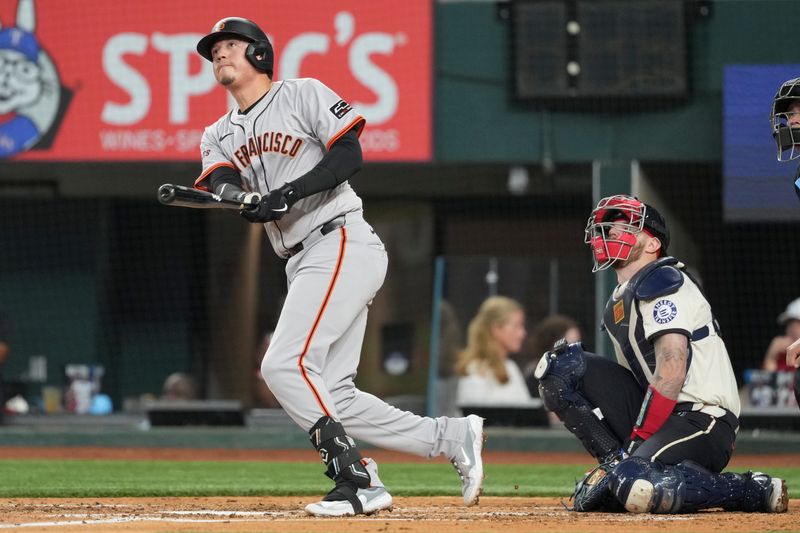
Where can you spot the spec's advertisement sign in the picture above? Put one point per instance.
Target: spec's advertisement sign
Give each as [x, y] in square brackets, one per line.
[102, 80]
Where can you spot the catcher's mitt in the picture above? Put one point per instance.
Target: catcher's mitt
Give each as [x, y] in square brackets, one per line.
[592, 492]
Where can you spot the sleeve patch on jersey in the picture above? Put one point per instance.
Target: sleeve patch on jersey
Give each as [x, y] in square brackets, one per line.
[340, 109]
[664, 311]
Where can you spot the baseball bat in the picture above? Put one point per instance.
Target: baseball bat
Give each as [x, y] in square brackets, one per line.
[180, 196]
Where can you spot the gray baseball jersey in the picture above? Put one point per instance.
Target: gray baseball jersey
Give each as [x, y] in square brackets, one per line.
[280, 138]
[314, 352]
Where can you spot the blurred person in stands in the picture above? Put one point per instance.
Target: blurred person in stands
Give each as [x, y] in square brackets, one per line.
[775, 359]
[543, 338]
[487, 374]
[793, 360]
[179, 387]
[783, 352]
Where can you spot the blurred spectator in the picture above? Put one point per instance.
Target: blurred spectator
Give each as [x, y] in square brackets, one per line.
[793, 361]
[793, 356]
[776, 358]
[543, 336]
[262, 396]
[488, 376]
[179, 386]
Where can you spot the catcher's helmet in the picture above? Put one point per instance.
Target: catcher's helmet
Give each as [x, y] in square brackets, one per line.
[632, 216]
[786, 137]
[237, 27]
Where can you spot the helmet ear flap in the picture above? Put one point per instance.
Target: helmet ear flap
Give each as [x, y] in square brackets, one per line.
[263, 49]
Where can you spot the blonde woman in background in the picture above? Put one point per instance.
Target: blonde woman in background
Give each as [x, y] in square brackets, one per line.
[487, 375]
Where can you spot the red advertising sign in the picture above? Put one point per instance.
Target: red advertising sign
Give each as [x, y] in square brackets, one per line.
[101, 80]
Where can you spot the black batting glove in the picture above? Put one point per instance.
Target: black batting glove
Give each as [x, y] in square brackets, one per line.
[272, 206]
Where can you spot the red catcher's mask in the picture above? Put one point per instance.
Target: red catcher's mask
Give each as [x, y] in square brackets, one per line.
[624, 213]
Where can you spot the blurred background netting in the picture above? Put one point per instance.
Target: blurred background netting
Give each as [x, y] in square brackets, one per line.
[492, 130]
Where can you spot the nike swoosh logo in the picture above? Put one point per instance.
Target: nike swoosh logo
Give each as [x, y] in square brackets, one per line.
[466, 460]
[282, 209]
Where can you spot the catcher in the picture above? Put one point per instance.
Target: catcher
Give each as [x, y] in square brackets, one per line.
[662, 419]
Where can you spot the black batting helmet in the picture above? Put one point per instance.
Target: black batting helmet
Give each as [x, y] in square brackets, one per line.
[240, 28]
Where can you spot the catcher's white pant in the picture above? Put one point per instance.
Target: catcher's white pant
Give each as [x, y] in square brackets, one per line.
[312, 359]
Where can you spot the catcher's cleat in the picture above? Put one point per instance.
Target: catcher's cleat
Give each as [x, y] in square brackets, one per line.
[344, 501]
[776, 493]
[468, 462]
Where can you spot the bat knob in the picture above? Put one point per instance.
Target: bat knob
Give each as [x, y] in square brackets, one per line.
[166, 193]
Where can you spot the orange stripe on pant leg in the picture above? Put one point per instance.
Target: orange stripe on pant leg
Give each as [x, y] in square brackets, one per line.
[339, 261]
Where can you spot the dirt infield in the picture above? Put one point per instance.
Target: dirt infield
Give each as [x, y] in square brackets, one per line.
[410, 515]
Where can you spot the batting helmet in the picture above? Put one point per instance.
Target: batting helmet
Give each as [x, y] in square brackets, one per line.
[786, 136]
[239, 28]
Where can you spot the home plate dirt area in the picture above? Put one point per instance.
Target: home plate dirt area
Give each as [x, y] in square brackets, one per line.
[409, 515]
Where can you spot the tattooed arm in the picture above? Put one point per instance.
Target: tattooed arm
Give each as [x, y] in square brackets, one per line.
[672, 352]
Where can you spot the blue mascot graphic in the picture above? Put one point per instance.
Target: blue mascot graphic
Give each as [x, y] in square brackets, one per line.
[32, 100]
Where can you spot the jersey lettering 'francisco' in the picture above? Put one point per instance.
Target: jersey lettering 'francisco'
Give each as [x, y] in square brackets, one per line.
[282, 143]
[283, 136]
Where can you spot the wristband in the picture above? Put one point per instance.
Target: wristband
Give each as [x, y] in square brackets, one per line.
[655, 410]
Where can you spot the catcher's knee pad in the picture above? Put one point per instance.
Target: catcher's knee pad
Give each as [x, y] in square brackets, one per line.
[339, 453]
[559, 373]
[642, 486]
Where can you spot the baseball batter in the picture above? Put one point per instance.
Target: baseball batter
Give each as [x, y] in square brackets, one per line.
[293, 144]
[662, 419]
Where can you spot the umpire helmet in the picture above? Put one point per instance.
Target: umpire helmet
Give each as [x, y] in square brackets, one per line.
[240, 28]
[633, 216]
[786, 136]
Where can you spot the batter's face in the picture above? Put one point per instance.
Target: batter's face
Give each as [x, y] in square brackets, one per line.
[231, 67]
[510, 334]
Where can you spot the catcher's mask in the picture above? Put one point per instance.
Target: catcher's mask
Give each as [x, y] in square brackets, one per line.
[630, 217]
[247, 30]
[786, 135]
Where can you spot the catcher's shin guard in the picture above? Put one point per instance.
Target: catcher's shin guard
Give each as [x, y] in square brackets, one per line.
[343, 460]
[559, 373]
[643, 486]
